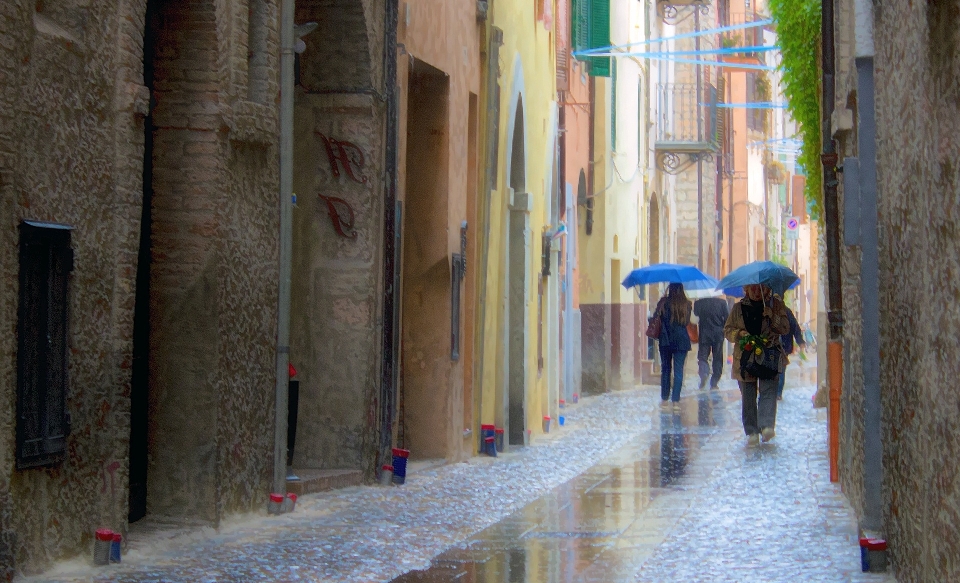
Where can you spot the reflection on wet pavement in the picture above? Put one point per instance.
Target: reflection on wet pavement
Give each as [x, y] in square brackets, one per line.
[687, 502]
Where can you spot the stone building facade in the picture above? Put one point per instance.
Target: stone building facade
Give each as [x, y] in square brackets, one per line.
[341, 182]
[138, 145]
[905, 55]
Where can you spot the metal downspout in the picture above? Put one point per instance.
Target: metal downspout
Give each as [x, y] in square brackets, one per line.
[286, 247]
[699, 112]
[828, 158]
[391, 314]
[488, 182]
[869, 269]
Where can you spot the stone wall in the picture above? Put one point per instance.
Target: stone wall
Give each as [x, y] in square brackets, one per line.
[917, 81]
[72, 139]
[918, 121]
[338, 232]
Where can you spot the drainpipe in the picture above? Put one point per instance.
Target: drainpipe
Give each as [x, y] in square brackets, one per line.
[286, 247]
[391, 313]
[869, 267]
[699, 112]
[828, 158]
[488, 183]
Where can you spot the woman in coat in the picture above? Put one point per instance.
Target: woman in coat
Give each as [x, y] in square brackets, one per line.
[759, 313]
[674, 341]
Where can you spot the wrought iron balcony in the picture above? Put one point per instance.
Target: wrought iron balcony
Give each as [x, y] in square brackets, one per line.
[686, 125]
[669, 10]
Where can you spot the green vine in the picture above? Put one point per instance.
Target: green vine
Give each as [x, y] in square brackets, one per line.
[798, 31]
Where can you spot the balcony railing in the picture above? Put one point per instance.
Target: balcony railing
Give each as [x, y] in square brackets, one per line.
[686, 124]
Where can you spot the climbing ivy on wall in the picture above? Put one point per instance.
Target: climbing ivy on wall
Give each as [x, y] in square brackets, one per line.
[798, 31]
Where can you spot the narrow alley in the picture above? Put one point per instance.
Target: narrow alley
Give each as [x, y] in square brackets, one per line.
[622, 492]
[470, 290]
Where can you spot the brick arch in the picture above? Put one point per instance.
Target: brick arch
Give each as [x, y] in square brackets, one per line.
[338, 55]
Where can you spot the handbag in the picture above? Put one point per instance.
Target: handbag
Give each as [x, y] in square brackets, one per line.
[693, 332]
[653, 327]
[764, 366]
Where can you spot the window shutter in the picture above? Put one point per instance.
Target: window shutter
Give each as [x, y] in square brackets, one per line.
[46, 261]
[61, 264]
[563, 42]
[599, 36]
[30, 354]
[720, 114]
[580, 24]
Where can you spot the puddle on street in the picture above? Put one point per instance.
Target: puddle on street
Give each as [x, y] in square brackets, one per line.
[602, 524]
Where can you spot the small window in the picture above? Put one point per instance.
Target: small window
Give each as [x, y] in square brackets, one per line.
[43, 423]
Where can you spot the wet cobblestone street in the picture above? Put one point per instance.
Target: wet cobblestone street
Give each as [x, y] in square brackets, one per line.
[623, 492]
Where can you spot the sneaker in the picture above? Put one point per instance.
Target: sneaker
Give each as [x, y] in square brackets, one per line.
[665, 404]
[768, 433]
[676, 405]
[753, 440]
[714, 387]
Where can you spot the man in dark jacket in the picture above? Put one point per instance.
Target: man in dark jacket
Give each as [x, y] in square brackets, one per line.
[712, 313]
[787, 341]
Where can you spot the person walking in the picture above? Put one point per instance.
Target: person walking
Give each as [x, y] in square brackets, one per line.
[788, 345]
[713, 313]
[674, 342]
[762, 314]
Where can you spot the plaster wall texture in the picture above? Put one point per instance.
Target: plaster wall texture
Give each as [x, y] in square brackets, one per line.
[595, 291]
[576, 166]
[917, 91]
[527, 83]
[71, 151]
[443, 35]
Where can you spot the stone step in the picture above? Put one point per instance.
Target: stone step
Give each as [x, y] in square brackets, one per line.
[320, 480]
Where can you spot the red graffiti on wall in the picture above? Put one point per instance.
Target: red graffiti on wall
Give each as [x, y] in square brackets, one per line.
[334, 207]
[345, 154]
[109, 469]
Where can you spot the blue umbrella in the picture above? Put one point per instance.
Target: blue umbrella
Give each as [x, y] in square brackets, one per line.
[737, 292]
[688, 275]
[773, 275]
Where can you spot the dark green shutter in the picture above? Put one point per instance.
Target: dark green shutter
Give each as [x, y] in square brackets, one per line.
[580, 26]
[591, 30]
[599, 36]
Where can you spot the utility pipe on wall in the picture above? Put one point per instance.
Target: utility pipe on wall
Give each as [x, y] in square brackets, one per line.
[869, 269]
[286, 246]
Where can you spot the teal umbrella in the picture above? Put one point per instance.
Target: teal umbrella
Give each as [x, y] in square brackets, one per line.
[777, 277]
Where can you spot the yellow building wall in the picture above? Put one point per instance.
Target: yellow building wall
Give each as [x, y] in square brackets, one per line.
[527, 76]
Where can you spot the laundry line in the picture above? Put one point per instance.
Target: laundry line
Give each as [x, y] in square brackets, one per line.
[593, 52]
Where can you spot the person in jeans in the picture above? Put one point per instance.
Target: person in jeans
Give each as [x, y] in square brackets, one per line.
[674, 341]
[759, 313]
[712, 313]
[787, 340]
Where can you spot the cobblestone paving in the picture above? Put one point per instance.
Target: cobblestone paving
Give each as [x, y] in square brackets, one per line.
[622, 493]
[767, 513]
[372, 533]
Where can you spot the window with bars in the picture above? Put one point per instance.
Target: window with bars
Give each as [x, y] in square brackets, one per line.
[43, 422]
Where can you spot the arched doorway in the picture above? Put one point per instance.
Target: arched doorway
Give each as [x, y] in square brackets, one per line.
[517, 286]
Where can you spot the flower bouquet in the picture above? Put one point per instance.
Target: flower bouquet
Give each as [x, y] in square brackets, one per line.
[753, 343]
